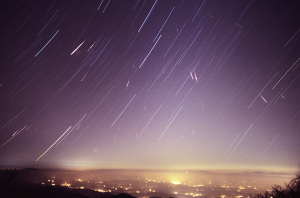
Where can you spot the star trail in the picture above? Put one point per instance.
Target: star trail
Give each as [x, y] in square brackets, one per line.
[150, 84]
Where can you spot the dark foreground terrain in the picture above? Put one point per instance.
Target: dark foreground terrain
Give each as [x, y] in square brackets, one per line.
[13, 186]
[37, 191]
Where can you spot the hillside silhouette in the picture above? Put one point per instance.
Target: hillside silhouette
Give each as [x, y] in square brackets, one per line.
[13, 186]
[291, 190]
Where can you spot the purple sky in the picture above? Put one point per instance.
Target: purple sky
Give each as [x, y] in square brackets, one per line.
[150, 84]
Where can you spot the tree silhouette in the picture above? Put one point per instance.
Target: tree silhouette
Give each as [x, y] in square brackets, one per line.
[292, 190]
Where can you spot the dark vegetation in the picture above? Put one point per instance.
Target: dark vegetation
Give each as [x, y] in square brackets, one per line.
[292, 190]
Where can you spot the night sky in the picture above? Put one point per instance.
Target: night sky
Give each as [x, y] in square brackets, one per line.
[150, 84]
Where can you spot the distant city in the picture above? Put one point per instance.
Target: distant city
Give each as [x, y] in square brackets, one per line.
[105, 183]
[153, 187]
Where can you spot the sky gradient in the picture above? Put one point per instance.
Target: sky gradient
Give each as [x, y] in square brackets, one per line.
[150, 84]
